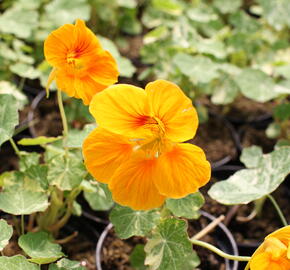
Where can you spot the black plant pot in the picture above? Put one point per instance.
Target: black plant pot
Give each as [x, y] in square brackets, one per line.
[224, 239]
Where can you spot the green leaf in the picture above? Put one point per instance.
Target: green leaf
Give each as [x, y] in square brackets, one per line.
[27, 21]
[186, 207]
[6, 233]
[194, 67]
[38, 140]
[276, 12]
[169, 246]
[251, 184]
[25, 71]
[202, 14]
[127, 3]
[28, 159]
[227, 6]
[99, 197]
[16, 263]
[156, 34]
[171, 7]
[128, 222]
[137, 257]
[65, 264]
[23, 202]
[59, 12]
[38, 176]
[8, 117]
[256, 85]
[225, 91]
[39, 247]
[213, 47]
[66, 174]
[76, 137]
[10, 89]
[273, 131]
[252, 156]
[282, 111]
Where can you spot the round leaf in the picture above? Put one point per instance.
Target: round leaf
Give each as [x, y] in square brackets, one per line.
[186, 207]
[8, 117]
[23, 202]
[128, 222]
[39, 247]
[6, 232]
[251, 184]
[169, 248]
[16, 263]
[256, 85]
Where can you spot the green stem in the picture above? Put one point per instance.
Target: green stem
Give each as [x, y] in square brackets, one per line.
[16, 149]
[218, 251]
[275, 204]
[63, 119]
[22, 224]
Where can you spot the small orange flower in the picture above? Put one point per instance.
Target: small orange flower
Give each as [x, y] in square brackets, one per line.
[273, 253]
[137, 149]
[81, 66]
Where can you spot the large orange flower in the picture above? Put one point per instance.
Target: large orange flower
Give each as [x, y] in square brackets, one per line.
[273, 253]
[81, 66]
[137, 149]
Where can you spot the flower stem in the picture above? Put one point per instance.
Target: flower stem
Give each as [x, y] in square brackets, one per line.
[278, 209]
[16, 149]
[63, 119]
[22, 224]
[218, 251]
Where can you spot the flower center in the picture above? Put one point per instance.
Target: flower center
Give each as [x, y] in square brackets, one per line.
[73, 60]
[155, 125]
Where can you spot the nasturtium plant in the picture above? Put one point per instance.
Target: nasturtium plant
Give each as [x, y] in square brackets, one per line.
[65, 264]
[17, 262]
[8, 117]
[186, 207]
[6, 233]
[263, 175]
[129, 222]
[170, 237]
[39, 247]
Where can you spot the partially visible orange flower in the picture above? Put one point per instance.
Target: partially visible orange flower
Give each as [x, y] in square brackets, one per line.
[81, 66]
[273, 253]
[137, 149]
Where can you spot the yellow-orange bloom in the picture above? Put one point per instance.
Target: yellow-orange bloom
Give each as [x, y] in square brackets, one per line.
[81, 66]
[273, 253]
[137, 150]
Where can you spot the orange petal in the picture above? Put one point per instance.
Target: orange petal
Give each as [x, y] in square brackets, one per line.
[106, 70]
[104, 152]
[122, 109]
[133, 185]
[174, 109]
[261, 261]
[57, 44]
[282, 234]
[79, 87]
[181, 171]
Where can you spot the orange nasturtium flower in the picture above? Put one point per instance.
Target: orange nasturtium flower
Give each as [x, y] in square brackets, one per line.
[81, 67]
[273, 253]
[137, 149]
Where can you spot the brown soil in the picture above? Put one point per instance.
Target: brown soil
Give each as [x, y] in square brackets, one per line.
[251, 136]
[215, 139]
[248, 110]
[116, 252]
[252, 231]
